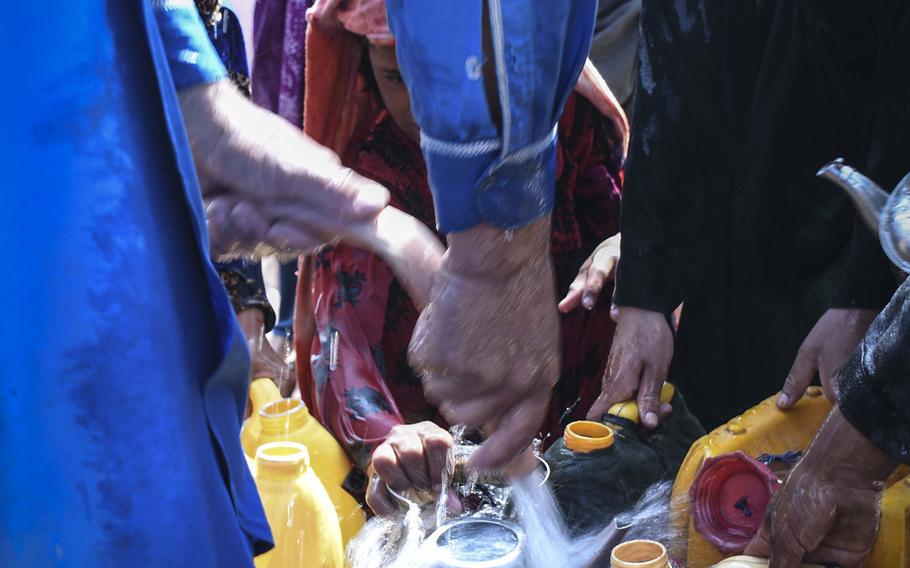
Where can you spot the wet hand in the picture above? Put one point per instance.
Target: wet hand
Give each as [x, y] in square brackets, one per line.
[597, 270]
[638, 365]
[825, 350]
[827, 510]
[412, 457]
[488, 343]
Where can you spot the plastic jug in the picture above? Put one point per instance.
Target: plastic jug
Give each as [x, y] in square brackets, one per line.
[640, 554]
[890, 547]
[764, 429]
[299, 511]
[289, 420]
[601, 469]
[262, 392]
[751, 562]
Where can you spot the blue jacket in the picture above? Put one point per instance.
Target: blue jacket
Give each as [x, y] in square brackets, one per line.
[124, 373]
[480, 172]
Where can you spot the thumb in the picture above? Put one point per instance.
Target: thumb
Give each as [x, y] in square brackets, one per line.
[798, 378]
[513, 433]
[649, 398]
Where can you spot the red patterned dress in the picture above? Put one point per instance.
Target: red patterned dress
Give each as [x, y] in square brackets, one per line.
[364, 319]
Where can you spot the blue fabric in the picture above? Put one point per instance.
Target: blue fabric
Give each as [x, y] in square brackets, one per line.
[480, 173]
[191, 56]
[125, 373]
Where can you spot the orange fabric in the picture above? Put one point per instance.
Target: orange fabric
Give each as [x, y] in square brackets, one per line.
[336, 103]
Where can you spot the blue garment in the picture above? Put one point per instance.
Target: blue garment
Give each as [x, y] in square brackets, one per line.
[190, 55]
[480, 173]
[124, 372]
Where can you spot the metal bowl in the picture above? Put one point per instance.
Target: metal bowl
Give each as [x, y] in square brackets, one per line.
[477, 542]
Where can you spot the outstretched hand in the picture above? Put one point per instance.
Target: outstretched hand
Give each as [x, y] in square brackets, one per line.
[638, 365]
[597, 270]
[825, 350]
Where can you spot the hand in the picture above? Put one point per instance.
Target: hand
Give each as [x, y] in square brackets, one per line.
[827, 347]
[488, 343]
[638, 364]
[413, 456]
[271, 185]
[265, 361]
[597, 270]
[827, 510]
[277, 191]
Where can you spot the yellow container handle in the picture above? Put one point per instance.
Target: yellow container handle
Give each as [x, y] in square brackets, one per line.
[263, 391]
[629, 409]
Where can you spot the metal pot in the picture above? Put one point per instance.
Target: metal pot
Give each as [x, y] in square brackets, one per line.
[477, 542]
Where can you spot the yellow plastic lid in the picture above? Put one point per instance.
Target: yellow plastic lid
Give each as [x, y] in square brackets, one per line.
[585, 436]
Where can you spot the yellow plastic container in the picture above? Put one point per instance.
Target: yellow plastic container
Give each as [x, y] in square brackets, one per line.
[765, 429]
[751, 562]
[584, 436]
[262, 392]
[639, 554]
[299, 511]
[288, 420]
[890, 549]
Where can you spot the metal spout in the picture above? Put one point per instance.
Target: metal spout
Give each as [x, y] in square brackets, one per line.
[867, 196]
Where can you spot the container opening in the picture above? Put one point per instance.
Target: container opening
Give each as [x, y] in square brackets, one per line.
[281, 407]
[478, 541]
[282, 452]
[590, 430]
[639, 551]
[586, 436]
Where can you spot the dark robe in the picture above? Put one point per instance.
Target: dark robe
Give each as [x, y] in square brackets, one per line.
[738, 105]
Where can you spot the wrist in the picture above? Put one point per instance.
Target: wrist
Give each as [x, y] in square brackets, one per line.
[488, 250]
[842, 452]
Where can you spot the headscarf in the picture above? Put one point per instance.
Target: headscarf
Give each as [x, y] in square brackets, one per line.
[336, 103]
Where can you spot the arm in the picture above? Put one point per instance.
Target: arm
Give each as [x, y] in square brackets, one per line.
[489, 147]
[651, 270]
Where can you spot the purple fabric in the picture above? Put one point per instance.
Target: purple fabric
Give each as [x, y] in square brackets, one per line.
[279, 37]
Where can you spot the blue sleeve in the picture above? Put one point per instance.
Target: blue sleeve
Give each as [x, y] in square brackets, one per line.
[480, 172]
[190, 55]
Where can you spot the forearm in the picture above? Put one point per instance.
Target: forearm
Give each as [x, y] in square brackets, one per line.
[874, 385]
[491, 252]
[241, 146]
[841, 451]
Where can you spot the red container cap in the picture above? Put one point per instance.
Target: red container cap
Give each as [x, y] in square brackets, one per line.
[729, 497]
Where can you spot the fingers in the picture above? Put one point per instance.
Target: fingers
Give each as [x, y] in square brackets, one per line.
[389, 468]
[440, 459]
[573, 297]
[593, 285]
[378, 497]
[514, 432]
[616, 388]
[799, 377]
[649, 397]
[760, 544]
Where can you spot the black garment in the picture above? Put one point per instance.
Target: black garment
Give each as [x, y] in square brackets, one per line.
[875, 384]
[738, 104]
[874, 393]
